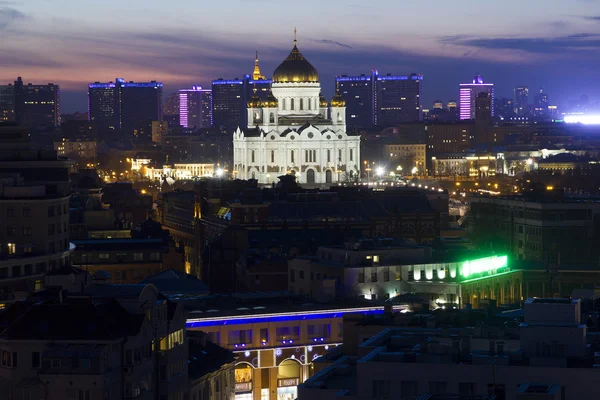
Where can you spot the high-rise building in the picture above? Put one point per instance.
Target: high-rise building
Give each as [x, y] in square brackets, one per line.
[541, 104]
[34, 204]
[469, 93]
[7, 103]
[521, 100]
[358, 92]
[398, 99]
[124, 105]
[36, 106]
[504, 108]
[171, 110]
[483, 108]
[376, 100]
[195, 108]
[228, 103]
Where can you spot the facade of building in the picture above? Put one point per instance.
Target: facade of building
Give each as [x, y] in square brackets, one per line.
[275, 344]
[547, 356]
[228, 103]
[398, 99]
[77, 149]
[171, 110]
[386, 100]
[34, 204]
[538, 226]
[453, 137]
[465, 165]
[7, 103]
[32, 106]
[293, 132]
[195, 108]
[522, 101]
[124, 105]
[468, 96]
[407, 157]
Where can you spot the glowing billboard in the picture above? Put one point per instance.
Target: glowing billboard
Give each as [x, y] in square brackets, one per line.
[487, 264]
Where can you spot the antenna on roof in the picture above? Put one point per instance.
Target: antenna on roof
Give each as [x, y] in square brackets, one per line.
[295, 40]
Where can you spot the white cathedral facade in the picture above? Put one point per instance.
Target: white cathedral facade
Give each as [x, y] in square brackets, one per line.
[294, 132]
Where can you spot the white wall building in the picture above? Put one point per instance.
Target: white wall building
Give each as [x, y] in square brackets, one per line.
[294, 132]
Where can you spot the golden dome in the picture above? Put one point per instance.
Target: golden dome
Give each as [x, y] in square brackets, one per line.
[255, 102]
[322, 101]
[271, 101]
[338, 101]
[295, 68]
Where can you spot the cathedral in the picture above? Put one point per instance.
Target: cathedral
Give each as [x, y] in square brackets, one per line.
[294, 131]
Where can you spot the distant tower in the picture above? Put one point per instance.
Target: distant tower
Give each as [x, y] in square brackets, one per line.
[469, 92]
[256, 75]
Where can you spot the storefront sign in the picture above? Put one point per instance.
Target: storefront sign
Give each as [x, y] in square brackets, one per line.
[288, 382]
[243, 387]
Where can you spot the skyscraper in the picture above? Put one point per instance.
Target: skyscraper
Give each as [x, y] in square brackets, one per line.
[228, 103]
[124, 105]
[521, 100]
[36, 106]
[195, 108]
[398, 99]
[541, 103]
[171, 110]
[468, 96]
[376, 100]
[358, 92]
[483, 108]
[7, 103]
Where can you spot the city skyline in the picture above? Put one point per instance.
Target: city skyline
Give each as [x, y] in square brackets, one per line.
[95, 43]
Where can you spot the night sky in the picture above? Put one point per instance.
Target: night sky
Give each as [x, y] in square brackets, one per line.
[551, 43]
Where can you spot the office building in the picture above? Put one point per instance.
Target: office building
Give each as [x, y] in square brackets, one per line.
[171, 110]
[34, 204]
[541, 104]
[228, 103]
[124, 105]
[294, 132]
[36, 106]
[195, 108]
[540, 224]
[483, 109]
[398, 99]
[521, 101]
[359, 94]
[469, 92]
[7, 103]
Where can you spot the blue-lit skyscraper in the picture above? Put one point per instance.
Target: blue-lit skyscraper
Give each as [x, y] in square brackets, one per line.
[124, 105]
[381, 100]
[195, 108]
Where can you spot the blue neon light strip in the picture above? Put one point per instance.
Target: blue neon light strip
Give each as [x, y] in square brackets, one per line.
[219, 82]
[266, 319]
[352, 78]
[400, 78]
[101, 85]
[261, 82]
[143, 84]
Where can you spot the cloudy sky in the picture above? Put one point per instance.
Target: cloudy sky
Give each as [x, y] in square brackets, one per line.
[549, 43]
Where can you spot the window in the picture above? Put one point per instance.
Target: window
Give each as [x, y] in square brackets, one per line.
[50, 229]
[373, 276]
[252, 155]
[27, 248]
[10, 212]
[16, 270]
[264, 335]
[351, 154]
[361, 277]
[27, 230]
[138, 256]
[301, 274]
[27, 212]
[50, 211]
[11, 231]
[28, 269]
[386, 275]
[104, 256]
[375, 259]
[272, 156]
[292, 104]
[328, 155]
[155, 256]
[340, 155]
[36, 359]
[83, 394]
[381, 389]
[38, 284]
[12, 248]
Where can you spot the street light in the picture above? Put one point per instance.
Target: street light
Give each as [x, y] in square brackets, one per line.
[380, 171]
[220, 172]
[415, 170]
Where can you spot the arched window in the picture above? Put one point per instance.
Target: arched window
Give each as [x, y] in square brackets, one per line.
[339, 117]
[292, 156]
[272, 118]
[283, 104]
[272, 156]
[252, 154]
[292, 104]
[301, 104]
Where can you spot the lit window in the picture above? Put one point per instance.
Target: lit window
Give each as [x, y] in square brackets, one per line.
[12, 248]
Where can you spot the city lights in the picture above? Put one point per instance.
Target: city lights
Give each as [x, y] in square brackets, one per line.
[582, 119]
[380, 171]
[487, 264]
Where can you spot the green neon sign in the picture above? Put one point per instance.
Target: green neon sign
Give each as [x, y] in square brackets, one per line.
[486, 264]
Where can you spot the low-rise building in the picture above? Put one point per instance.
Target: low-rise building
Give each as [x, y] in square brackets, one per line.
[550, 350]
